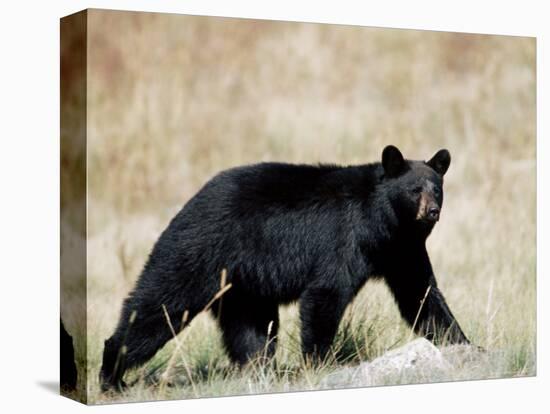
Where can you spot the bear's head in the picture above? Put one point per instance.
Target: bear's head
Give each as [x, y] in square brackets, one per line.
[415, 188]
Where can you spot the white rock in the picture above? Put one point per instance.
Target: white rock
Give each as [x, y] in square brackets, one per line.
[417, 359]
[418, 354]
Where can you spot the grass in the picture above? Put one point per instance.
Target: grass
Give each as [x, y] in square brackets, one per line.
[172, 100]
[194, 365]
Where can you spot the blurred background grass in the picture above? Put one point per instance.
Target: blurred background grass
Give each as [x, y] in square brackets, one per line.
[174, 99]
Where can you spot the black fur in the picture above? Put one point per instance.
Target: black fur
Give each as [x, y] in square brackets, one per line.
[286, 233]
[67, 372]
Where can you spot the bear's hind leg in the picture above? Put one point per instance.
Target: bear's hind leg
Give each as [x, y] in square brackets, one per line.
[321, 310]
[140, 334]
[249, 327]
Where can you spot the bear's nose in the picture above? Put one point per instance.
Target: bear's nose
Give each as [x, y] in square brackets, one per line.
[433, 213]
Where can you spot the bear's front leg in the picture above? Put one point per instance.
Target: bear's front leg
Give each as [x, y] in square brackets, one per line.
[420, 301]
[435, 320]
[321, 310]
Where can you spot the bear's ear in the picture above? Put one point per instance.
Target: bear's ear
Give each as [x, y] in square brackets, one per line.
[392, 161]
[440, 162]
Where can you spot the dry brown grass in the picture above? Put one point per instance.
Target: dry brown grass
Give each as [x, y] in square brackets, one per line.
[175, 99]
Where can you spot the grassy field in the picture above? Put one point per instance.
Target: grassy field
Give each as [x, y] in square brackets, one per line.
[172, 100]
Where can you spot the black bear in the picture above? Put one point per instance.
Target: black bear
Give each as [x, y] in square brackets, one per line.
[285, 233]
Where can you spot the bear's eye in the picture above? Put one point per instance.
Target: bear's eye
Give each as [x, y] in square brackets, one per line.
[417, 189]
[437, 192]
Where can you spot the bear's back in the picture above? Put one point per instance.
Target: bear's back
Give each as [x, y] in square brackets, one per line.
[290, 186]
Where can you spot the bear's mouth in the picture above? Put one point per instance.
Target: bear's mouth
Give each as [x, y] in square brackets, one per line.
[428, 219]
